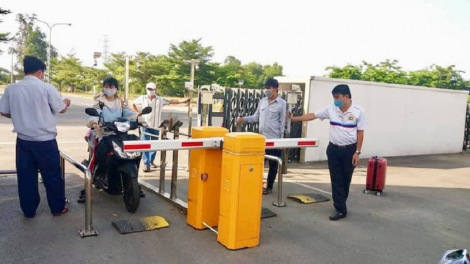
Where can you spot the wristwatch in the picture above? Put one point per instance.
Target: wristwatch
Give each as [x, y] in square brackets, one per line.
[358, 152]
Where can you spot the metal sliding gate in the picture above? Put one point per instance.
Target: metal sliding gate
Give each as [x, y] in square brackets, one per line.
[239, 102]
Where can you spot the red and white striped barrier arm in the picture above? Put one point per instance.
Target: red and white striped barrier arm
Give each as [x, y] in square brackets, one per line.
[177, 144]
[204, 143]
[284, 143]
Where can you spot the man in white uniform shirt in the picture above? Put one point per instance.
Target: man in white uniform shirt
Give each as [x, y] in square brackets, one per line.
[347, 124]
[153, 119]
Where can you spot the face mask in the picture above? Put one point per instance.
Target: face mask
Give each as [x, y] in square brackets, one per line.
[268, 93]
[339, 103]
[110, 92]
[150, 92]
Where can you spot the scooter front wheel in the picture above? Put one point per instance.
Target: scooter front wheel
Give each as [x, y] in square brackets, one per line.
[131, 193]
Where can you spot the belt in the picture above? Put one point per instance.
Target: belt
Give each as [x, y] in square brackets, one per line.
[344, 146]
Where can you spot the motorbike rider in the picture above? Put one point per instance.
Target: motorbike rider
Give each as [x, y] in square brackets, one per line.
[111, 106]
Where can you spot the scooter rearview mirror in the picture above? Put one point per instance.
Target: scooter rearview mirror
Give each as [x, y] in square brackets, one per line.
[91, 111]
[146, 110]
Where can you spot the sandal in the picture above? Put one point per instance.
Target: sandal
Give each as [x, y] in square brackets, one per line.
[65, 210]
[267, 191]
[81, 198]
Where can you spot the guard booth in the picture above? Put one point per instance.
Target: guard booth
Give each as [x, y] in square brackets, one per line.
[221, 106]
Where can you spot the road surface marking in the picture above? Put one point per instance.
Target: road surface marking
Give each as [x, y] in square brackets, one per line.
[58, 141]
[310, 187]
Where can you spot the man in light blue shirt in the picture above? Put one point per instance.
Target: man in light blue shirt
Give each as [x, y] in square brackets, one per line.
[32, 106]
[271, 116]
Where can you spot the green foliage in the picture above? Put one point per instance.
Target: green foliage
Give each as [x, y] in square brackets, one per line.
[389, 72]
[4, 76]
[4, 37]
[30, 40]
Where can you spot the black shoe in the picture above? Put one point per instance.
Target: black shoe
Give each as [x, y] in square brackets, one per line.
[81, 198]
[338, 216]
[142, 194]
[267, 191]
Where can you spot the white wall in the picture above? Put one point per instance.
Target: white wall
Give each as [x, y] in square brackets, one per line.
[401, 120]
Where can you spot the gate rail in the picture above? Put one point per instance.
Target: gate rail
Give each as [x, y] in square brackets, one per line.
[88, 230]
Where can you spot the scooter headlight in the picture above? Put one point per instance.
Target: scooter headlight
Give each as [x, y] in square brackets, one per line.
[122, 126]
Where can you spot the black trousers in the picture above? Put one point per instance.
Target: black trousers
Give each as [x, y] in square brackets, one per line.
[272, 166]
[32, 156]
[341, 171]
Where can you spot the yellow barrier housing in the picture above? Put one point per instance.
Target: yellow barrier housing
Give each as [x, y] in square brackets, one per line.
[241, 190]
[205, 168]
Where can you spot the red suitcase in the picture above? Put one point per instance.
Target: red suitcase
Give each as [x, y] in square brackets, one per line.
[376, 174]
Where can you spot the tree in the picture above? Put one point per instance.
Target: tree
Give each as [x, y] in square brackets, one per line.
[230, 72]
[68, 72]
[390, 72]
[386, 72]
[179, 70]
[253, 75]
[4, 37]
[151, 67]
[4, 76]
[116, 67]
[269, 71]
[30, 40]
[352, 72]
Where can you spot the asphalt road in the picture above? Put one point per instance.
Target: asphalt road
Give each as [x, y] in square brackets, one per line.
[423, 213]
[71, 130]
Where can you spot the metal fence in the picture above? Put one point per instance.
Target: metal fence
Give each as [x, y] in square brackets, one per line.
[239, 102]
[88, 230]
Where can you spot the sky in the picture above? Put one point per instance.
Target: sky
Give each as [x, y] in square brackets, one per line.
[303, 36]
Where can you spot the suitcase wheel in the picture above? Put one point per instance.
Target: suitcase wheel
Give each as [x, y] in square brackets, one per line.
[365, 191]
[378, 193]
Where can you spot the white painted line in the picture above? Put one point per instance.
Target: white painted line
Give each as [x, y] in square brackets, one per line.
[59, 142]
[310, 187]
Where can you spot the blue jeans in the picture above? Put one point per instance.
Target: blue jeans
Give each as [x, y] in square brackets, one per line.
[149, 157]
[272, 166]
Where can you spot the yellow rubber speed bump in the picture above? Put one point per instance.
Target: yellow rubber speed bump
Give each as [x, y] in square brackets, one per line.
[308, 198]
[140, 225]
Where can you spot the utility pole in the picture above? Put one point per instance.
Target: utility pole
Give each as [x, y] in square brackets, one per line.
[194, 63]
[137, 60]
[49, 48]
[106, 48]
[126, 95]
[12, 52]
